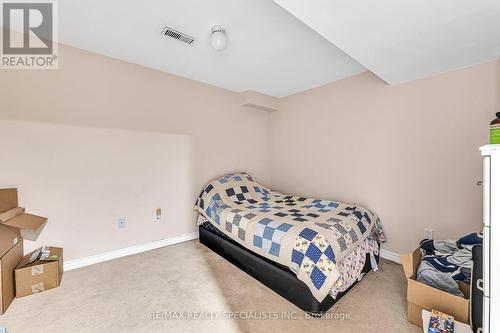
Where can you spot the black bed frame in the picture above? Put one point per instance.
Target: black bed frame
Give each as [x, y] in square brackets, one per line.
[275, 276]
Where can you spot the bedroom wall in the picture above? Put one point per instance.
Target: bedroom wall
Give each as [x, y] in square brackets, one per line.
[408, 152]
[100, 139]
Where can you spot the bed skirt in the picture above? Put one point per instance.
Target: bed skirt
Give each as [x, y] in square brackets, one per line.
[273, 275]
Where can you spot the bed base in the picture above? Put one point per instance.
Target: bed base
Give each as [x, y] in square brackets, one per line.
[273, 275]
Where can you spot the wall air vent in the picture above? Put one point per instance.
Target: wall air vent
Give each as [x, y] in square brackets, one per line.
[172, 33]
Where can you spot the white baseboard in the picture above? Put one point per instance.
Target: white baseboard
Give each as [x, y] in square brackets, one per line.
[102, 257]
[391, 256]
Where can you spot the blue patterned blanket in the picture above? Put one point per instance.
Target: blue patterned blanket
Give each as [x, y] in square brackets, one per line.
[307, 235]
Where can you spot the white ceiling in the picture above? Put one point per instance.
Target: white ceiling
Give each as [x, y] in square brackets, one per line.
[405, 40]
[269, 50]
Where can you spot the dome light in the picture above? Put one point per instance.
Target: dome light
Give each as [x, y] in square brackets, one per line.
[218, 38]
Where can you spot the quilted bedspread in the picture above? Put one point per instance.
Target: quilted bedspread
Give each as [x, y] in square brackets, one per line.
[307, 235]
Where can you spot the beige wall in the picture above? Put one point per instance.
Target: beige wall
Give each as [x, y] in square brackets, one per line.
[408, 152]
[101, 139]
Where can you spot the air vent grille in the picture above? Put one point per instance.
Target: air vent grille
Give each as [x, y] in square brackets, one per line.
[172, 33]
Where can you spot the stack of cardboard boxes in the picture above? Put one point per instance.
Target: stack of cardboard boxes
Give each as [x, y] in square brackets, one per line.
[21, 276]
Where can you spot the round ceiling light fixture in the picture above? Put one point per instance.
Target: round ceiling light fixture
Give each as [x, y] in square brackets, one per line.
[218, 38]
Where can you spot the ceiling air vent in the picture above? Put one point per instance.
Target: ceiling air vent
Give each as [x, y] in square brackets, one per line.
[169, 32]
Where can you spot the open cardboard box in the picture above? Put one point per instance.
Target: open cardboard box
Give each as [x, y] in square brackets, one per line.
[29, 226]
[15, 225]
[422, 296]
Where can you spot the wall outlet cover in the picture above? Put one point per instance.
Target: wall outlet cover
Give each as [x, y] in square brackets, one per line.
[428, 233]
[121, 223]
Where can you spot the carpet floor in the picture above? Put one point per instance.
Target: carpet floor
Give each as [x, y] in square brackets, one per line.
[188, 288]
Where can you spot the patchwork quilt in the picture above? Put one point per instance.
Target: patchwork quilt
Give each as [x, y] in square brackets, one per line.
[310, 236]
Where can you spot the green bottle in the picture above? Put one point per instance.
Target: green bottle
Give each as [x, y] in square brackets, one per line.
[495, 130]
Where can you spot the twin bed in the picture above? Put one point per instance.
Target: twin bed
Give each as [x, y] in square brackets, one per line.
[309, 251]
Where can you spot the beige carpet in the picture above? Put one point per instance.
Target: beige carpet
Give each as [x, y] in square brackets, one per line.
[184, 279]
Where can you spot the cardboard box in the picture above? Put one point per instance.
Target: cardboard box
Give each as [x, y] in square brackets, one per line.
[40, 270]
[422, 296]
[14, 224]
[11, 252]
[29, 226]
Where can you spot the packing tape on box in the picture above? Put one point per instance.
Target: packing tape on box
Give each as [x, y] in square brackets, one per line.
[34, 256]
[45, 254]
[36, 288]
[36, 270]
